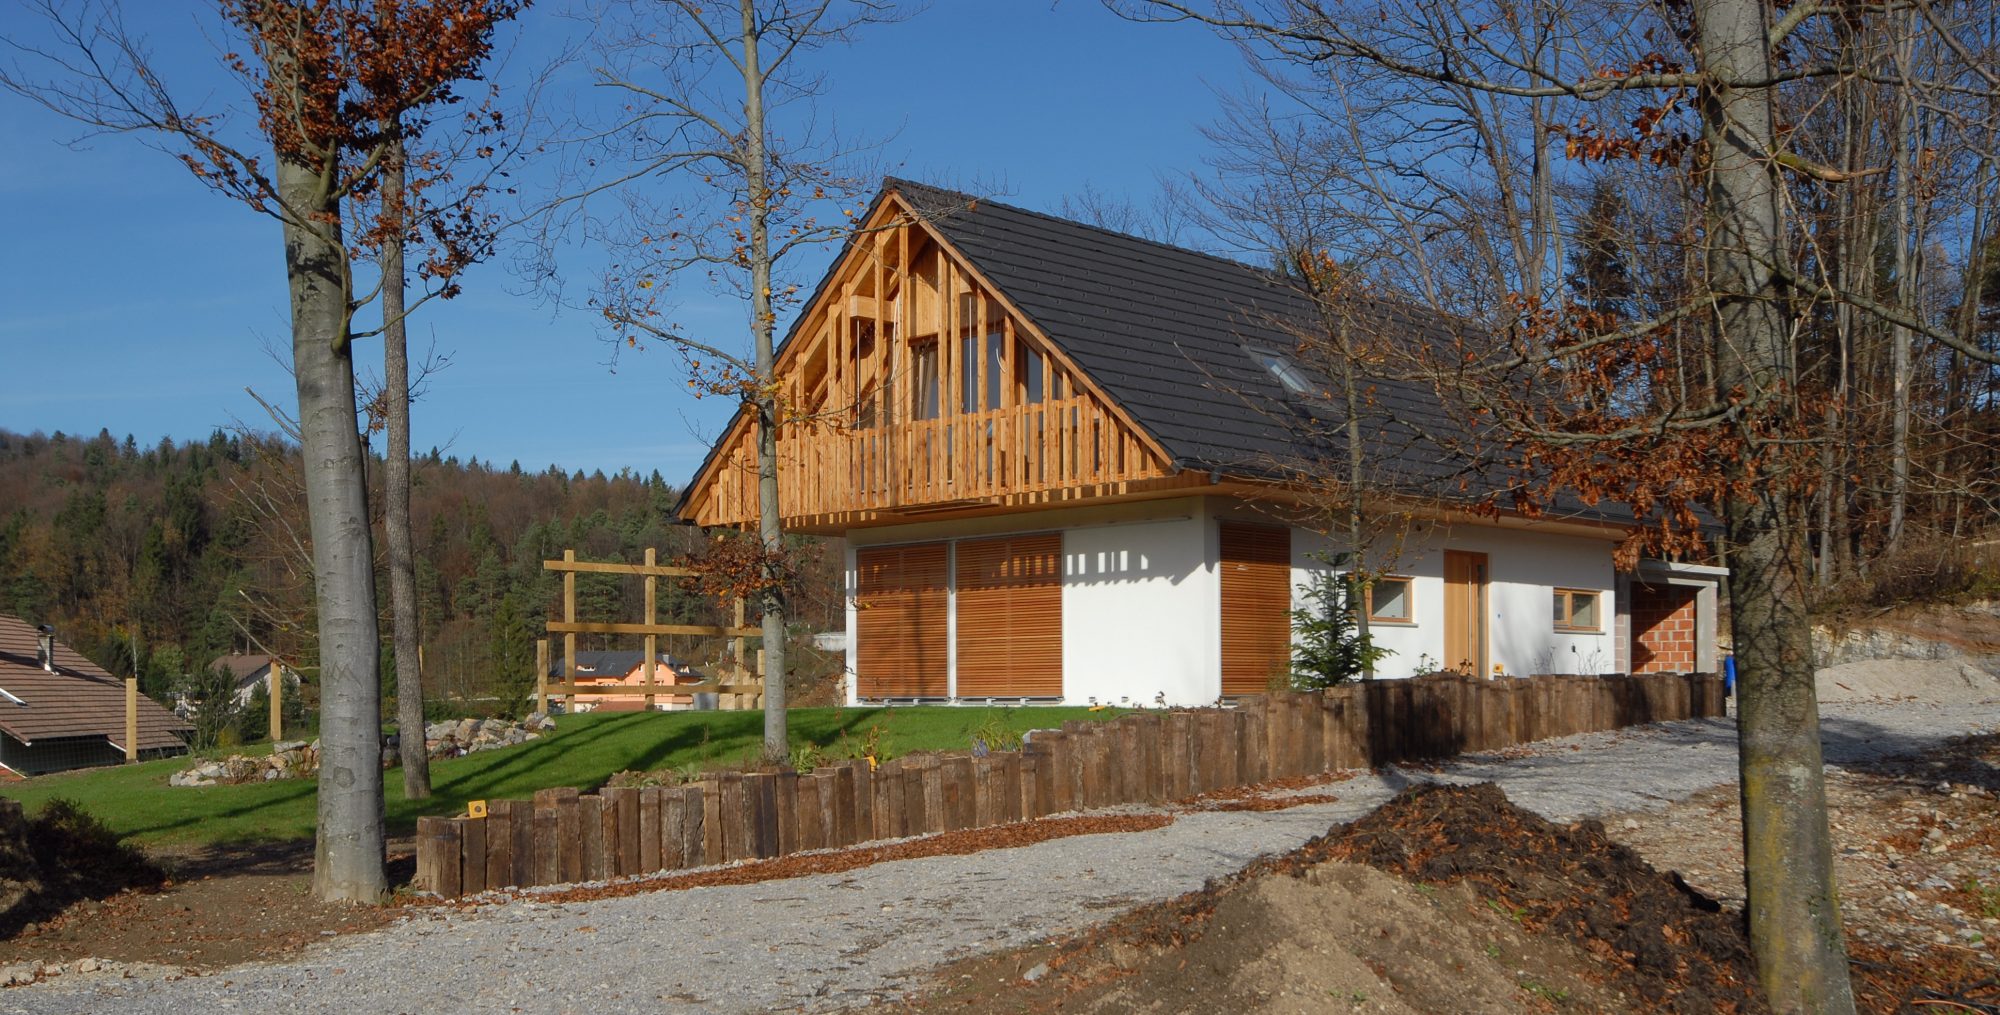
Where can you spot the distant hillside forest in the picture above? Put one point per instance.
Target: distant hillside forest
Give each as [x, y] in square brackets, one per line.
[157, 559]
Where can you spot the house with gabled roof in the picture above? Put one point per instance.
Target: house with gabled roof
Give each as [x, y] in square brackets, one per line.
[1059, 458]
[627, 668]
[59, 710]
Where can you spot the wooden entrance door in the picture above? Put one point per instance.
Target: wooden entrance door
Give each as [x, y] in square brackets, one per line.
[1465, 612]
[1256, 606]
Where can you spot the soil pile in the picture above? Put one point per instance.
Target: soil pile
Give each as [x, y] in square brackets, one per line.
[1661, 940]
[63, 855]
[1447, 898]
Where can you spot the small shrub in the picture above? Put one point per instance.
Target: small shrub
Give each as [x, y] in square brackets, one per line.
[1328, 650]
[993, 734]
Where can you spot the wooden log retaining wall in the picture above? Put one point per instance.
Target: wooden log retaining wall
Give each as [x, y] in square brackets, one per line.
[1147, 757]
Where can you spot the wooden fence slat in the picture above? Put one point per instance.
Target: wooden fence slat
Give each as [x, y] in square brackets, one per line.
[860, 793]
[673, 828]
[548, 848]
[760, 795]
[1179, 762]
[500, 844]
[526, 867]
[431, 858]
[931, 785]
[590, 838]
[806, 812]
[889, 802]
[472, 855]
[694, 828]
[956, 785]
[844, 822]
[786, 789]
[1033, 796]
[736, 818]
[649, 829]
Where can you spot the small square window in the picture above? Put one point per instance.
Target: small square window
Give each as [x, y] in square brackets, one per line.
[1389, 600]
[1576, 610]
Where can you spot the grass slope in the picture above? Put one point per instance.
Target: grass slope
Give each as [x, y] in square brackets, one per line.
[583, 751]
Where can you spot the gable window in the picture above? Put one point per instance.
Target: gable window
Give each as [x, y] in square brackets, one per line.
[1576, 610]
[1389, 601]
[1029, 374]
[924, 367]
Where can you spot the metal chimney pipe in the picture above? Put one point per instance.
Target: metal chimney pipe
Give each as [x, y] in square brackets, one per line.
[47, 642]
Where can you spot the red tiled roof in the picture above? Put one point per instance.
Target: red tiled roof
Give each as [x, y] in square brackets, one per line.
[78, 700]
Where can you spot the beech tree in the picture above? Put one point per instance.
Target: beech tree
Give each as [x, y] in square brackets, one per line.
[1700, 401]
[714, 106]
[324, 76]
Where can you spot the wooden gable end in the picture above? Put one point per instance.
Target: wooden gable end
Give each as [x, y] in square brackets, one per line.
[911, 385]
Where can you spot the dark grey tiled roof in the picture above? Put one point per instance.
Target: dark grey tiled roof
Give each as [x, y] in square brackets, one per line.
[1169, 334]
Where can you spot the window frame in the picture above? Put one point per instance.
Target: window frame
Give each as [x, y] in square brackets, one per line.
[1409, 618]
[1564, 619]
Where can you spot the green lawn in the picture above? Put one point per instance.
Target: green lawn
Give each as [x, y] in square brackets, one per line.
[583, 751]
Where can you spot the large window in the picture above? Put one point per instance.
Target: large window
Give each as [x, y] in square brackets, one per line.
[1576, 610]
[924, 370]
[1389, 601]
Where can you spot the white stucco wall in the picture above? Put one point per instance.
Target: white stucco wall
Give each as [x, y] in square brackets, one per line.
[1141, 618]
[1524, 567]
[1141, 595]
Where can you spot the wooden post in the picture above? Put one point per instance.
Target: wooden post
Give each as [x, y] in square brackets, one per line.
[652, 641]
[569, 637]
[542, 675]
[277, 718]
[737, 644]
[131, 719]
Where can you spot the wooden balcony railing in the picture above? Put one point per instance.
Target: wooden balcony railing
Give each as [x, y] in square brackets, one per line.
[1052, 447]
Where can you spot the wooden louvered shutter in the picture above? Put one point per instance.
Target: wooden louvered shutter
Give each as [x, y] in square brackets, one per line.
[1010, 617]
[901, 621]
[1256, 606]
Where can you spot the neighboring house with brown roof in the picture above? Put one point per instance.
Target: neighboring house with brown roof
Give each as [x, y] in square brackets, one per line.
[253, 671]
[59, 710]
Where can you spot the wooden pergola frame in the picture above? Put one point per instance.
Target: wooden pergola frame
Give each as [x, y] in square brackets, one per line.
[651, 571]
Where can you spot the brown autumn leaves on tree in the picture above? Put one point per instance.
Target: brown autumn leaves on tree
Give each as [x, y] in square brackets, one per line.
[1705, 354]
[331, 82]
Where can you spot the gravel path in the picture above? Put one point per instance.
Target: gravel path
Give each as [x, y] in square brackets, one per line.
[828, 941]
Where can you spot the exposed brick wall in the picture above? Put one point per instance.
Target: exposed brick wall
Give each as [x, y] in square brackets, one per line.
[1663, 629]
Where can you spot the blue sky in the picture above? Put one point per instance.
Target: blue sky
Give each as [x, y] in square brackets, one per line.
[133, 299]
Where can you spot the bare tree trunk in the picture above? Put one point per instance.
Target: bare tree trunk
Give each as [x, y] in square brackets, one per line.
[348, 856]
[396, 486]
[1356, 460]
[1795, 926]
[1906, 140]
[777, 741]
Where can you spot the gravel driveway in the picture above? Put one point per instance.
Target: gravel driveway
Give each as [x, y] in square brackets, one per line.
[827, 941]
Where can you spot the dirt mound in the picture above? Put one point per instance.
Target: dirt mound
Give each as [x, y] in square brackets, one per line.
[1447, 898]
[62, 855]
[1345, 937]
[1949, 681]
[1666, 942]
